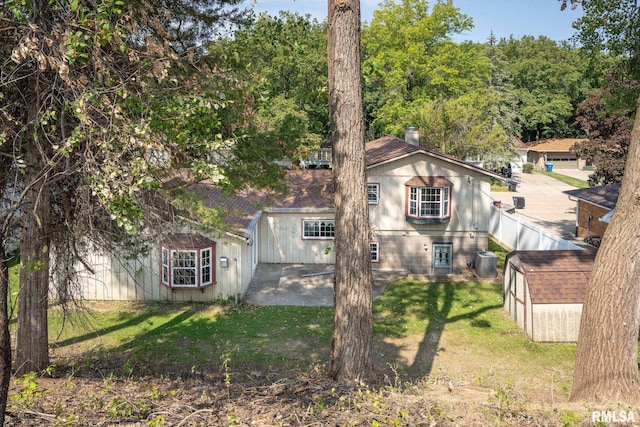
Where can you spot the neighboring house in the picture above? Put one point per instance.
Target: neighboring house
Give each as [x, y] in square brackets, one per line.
[429, 214]
[522, 151]
[544, 292]
[321, 159]
[516, 162]
[594, 208]
[560, 152]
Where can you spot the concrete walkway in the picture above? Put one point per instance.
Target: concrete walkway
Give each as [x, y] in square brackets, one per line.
[303, 284]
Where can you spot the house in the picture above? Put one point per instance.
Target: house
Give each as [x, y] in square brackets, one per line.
[522, 151]
[516, 161]
[429, 215]
[321, 158]
[559, 152]
[544, 291]
[594, 209]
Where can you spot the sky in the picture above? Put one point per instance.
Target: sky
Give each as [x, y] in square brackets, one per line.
[505, 18]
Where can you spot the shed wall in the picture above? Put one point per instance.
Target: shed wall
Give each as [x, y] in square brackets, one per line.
[556, 322]
[516, 299]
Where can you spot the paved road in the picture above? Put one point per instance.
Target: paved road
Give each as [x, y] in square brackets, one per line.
[544, 203]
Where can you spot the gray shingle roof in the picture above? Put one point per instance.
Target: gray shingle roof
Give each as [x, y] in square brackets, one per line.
[605, 196]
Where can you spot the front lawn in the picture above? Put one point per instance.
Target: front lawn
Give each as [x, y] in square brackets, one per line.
[574, 182]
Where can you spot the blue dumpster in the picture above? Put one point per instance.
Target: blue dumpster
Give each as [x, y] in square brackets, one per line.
[549, 167]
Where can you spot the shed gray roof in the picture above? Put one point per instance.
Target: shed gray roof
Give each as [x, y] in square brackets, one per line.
[556, 277]
[605, 196]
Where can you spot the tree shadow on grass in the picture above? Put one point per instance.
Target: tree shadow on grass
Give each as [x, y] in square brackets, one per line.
[422, 310]
[209, 338]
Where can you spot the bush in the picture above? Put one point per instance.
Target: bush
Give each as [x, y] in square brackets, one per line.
[527, 167]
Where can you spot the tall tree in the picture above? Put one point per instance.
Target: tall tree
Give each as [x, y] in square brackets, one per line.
[283, 62]
[351, 358]
[606, 365]
[410, 58]
[608, 126]
[98, 103]
[550, 79]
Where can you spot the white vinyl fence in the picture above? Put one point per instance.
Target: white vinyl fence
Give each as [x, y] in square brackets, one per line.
[516, 234]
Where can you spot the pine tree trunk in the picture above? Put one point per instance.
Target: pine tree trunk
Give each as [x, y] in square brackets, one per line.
[351, 358]
[606, 367]
[32, 353]
[5, 339]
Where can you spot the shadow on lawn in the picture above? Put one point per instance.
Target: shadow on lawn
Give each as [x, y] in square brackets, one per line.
[136, 321]
[409, 320]
[407, 308]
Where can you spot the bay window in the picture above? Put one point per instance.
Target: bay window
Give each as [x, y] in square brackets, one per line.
[428, 200]
[187, 262]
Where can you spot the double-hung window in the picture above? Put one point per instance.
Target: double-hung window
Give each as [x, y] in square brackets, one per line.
[318, 229]
[373, 193]
[428, 200]
[374, 249]
[187, 262]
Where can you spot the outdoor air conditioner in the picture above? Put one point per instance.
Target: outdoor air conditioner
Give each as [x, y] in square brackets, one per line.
[486, 264]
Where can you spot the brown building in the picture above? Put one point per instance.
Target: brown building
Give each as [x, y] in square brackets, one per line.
[595, 206]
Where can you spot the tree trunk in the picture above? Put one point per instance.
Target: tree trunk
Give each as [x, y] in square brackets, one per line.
[32, 352]
[5, 338]
[606, 367]
[353, 320]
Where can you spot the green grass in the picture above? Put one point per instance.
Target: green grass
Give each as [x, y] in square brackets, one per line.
[195, 334]
[574, 182]
[497, 185]
[462, 321]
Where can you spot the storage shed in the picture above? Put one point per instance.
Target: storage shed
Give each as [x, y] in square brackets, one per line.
[544, 291]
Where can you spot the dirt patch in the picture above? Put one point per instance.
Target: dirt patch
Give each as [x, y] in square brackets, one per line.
[247, 396]
[460, 389]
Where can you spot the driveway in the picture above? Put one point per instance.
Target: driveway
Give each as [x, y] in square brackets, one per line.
[544, 203]
[303, 284]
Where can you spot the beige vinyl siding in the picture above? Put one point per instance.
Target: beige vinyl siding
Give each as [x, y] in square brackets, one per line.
[470, 196]
[281, 239]
[556, 322]
[138, 279]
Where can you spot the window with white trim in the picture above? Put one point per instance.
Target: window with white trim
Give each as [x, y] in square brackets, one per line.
[429, 202]
[373, 193]
[183, 267]
[318, 228]
[374, 249]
